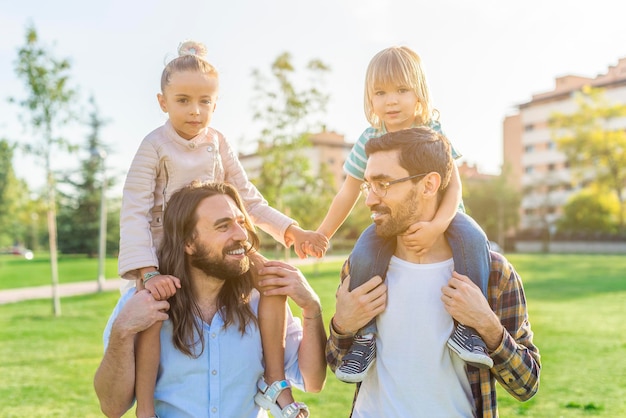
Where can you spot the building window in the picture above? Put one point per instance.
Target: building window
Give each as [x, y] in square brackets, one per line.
[529, 127]
[529, 169]
[551, 145]
[551, 167]
[528, 149]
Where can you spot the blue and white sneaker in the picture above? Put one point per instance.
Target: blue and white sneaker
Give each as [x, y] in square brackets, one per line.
[468, 345]
[358, 360]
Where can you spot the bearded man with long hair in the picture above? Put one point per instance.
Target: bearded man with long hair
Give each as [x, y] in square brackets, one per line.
[211, 353]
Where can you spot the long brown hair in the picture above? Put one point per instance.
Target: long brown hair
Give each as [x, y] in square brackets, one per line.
[179, 229]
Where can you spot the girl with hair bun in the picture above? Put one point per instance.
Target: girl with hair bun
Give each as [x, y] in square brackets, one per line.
[173, 155]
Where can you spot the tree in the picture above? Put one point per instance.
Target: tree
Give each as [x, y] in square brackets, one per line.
[288, 116]
[20, 210]
[48, 107]
[594, 147]
[589, 212]
[80, 211]
[12, 193]
[7, 178]
[493, 203]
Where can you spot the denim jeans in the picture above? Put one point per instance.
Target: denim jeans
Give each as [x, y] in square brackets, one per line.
[470, 251]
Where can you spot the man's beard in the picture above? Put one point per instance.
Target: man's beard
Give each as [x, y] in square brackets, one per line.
[397, 224]
[217, 266]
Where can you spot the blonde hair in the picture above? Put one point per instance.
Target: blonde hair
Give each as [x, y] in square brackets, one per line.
[398, 65]
[191, 57]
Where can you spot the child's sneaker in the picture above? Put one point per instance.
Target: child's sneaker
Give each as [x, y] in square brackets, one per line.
[358, 360]
[466, 342]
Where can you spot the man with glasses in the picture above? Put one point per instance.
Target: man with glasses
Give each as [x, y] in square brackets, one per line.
[415, 374]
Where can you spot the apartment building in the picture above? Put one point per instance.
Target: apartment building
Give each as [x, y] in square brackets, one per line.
[538, 169]
[327, 147]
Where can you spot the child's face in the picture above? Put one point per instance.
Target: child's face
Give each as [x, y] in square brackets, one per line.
[189, 100]
[395, 106]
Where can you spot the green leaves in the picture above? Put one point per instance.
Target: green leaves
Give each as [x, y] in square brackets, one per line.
[288, 114]
[594, 143]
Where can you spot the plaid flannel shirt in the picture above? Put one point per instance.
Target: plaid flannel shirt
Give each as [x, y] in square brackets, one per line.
[516, 360]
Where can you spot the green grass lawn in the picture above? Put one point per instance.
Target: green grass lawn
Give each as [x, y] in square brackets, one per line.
[577, 307]
[18, 272]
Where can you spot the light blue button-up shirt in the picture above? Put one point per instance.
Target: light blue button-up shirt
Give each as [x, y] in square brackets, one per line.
[221, 382]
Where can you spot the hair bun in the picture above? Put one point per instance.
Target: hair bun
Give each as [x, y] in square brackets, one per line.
[192, 48]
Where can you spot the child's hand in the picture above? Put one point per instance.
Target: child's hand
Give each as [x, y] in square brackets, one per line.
[314, 245]
[420, 237]
[306, 242]
[162, 287]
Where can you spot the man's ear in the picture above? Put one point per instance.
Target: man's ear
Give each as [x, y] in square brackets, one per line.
[162, 102]
[431, 183]
[190, 249]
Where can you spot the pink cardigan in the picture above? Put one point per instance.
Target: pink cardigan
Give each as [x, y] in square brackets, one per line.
[164, 163]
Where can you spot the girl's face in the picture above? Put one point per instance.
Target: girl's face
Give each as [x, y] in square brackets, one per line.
[395, 106]
[189, 100]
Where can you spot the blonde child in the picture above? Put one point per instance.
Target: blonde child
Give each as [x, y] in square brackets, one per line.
[396, 98]
[184, 149]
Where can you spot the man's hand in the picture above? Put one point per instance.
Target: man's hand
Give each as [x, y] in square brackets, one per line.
[140, 313]
[355, 309]
[278, 278]
[467, 304]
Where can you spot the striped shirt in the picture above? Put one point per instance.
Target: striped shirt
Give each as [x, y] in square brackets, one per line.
[516, 360]
[357, 160]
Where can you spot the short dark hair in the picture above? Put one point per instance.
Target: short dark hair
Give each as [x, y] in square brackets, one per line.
[422, 150]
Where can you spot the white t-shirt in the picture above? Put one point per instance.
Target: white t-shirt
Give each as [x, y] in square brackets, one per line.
[415, 374]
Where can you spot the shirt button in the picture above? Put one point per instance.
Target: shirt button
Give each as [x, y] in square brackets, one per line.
[213, 372]
[209, 148]
[192, 145]
[213, 335]
[214, 409]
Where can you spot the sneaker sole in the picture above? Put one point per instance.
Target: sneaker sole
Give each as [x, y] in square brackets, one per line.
[353, 377]
[476, 360]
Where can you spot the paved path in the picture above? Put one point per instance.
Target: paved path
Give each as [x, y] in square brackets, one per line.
[82, 288]
[65, 289]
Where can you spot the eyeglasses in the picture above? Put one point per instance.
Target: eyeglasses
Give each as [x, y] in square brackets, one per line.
[379, 188]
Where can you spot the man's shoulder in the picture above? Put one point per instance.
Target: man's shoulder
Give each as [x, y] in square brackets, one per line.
[502, 271]
[125, 296]
[498, 262]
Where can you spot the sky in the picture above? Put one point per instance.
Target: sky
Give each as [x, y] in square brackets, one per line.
[482, 59]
